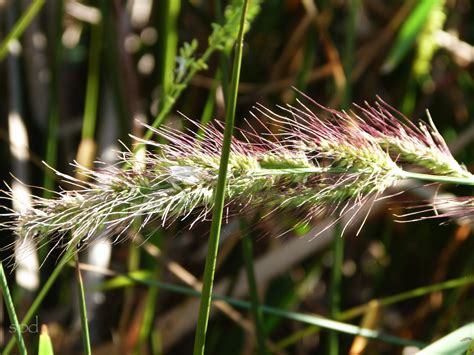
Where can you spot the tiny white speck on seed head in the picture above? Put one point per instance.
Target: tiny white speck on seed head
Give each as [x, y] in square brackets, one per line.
[185, 174]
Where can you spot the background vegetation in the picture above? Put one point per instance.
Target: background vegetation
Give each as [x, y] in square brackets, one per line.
[77, 77]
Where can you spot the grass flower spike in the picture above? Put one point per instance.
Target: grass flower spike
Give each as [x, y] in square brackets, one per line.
[328, 163]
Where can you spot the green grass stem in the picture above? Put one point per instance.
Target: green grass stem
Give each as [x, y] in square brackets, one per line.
[219, 194]
[336, 278]
[438, 178]
[93, 80]
[20, 26]
[133, 261]
[51, 155]
[417, 292]
[295, 337]
[169, 12]
[83, 310]
[209, 105]
[349, 51]
[223, 56]
[403, 174]
[146, 326]
[11, 311]
[247, 251]
[68, 254]
[387, 301]
[309, 60]
[408, 33]
[146, 278]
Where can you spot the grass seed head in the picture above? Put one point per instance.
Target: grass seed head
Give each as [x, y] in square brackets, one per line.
[332, 162]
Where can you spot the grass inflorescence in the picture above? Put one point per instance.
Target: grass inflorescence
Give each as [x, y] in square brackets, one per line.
[329, 163]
